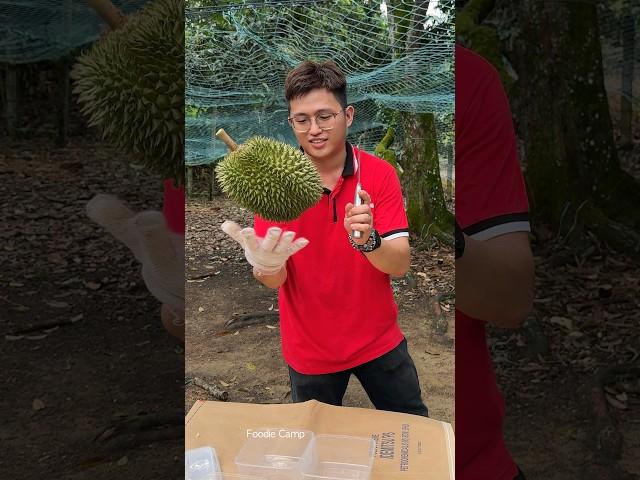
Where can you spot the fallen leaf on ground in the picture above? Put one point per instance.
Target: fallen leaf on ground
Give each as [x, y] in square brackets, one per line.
[562, 321]
[614, 402]
[56, 304]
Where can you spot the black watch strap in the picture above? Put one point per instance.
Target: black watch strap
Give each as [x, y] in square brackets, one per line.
[459, 241]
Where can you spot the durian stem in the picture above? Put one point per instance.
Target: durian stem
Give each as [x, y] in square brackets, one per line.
[224, 136]
[108, 12]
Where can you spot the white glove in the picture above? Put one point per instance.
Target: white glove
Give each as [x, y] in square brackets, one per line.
[269, 254]
[160, 251]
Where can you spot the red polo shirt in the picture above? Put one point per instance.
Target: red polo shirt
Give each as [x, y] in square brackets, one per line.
[337, 310]
[173, 206]
[490, 200]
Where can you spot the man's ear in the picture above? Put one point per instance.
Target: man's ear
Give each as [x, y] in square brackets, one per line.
[349, 112]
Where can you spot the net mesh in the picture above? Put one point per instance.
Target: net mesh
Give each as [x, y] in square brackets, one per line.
[620, 40]
[397, 56]
[38, 30]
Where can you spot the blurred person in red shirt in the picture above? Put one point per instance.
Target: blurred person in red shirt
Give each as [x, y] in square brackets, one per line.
[494, 263]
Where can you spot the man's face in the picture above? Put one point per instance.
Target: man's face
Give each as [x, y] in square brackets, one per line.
[317, 143]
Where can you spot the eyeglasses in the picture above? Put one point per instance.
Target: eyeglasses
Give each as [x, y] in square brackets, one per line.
[324, 121]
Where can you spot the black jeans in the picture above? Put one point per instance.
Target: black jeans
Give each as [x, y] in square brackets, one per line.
[390, 381]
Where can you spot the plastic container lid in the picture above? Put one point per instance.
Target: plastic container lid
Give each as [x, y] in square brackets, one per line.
[234, 476]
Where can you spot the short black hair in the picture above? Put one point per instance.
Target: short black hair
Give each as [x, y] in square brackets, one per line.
[311, 75]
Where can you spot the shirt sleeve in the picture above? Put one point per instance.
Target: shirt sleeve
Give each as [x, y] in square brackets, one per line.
[389, 216]
[491, 198]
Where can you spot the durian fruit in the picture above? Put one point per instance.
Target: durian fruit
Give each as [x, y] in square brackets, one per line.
[270, 178]
[131, 87]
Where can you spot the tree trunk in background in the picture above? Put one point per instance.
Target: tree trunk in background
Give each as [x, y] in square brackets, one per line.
[63, 99]
[426, 208]
[626, 105]
[11, 99]
[562, 119]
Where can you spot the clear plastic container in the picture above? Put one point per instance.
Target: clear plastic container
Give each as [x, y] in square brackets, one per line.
[273, 453]
[234, 476]
[338, 457]
[201, 464]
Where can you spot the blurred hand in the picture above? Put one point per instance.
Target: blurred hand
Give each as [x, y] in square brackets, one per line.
[160, 251]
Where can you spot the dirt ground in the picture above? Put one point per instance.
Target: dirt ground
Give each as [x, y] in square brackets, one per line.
[585, 318]
[82, 346]
[247, 363]
[546, 369]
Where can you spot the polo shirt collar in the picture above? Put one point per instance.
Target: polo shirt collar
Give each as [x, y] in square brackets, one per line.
[349, 168]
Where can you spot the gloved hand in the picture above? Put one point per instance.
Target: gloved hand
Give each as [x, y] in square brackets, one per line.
[160, 251]
[269, 254]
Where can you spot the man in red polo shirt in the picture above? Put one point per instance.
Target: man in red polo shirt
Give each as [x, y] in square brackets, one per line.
[494, 265]
[337, 312]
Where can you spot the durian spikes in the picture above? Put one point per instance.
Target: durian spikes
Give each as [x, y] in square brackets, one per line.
[270, 178]
[130, 84]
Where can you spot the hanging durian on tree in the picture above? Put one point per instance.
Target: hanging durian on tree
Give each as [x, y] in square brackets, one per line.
[270, 178]
[130, 84]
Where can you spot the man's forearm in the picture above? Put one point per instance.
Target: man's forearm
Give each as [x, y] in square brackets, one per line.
[495, 284]
[392, 257]
[271, 281]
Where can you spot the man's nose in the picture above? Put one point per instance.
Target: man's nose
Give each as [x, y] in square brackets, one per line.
[315, 129]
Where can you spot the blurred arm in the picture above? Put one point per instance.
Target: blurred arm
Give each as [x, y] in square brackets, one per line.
[494, 279]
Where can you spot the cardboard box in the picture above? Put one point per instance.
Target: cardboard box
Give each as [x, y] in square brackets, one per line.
[408, 447]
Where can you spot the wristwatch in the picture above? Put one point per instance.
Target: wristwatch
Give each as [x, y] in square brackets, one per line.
[373, 242]
[459, 241]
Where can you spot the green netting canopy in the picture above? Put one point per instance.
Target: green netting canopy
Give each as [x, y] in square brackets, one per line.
[38, 30]
[397, 55]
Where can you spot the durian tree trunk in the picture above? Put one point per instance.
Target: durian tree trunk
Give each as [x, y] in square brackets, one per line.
[189, 181]
[626, 105]
[11, 99]
[63, 66]
[214, 187]
[383, 150]
[426, 208]
[562, 119]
